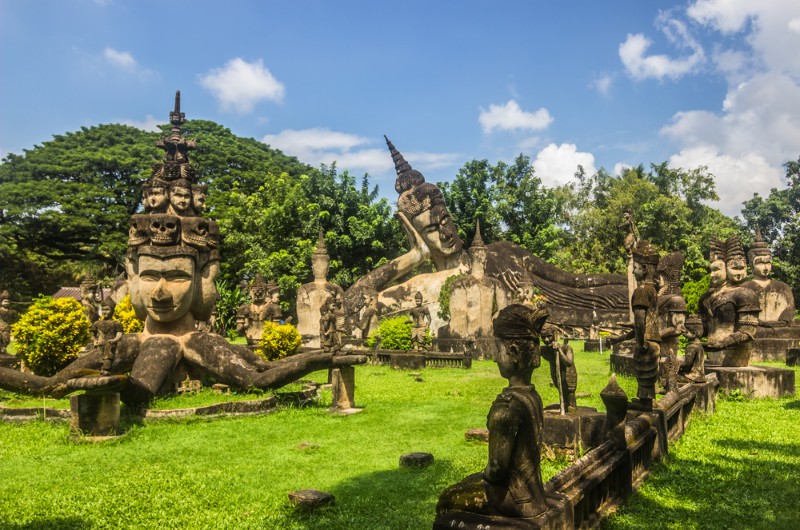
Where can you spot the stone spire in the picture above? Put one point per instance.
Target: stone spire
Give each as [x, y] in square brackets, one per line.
[477, 241]
[760, 247]
[321, 251]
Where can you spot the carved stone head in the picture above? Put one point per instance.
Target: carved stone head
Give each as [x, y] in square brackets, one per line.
[180, 197]
[139, 232]
[195, 232]
[164, 229]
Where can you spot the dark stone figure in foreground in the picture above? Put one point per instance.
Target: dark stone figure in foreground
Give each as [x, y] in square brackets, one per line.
[562, 368]
[511, 483]
[172, 264]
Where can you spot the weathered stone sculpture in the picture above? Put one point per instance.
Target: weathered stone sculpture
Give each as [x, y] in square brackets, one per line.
[7, 317]
[775, 299]
[692, 367]
[729, 311]
[106, 333]
[368, 322]
[420, 323]
[562, 366]
[511, 483]
[576, 300]
[476, 299]
[172, 264]
[89, 290]
[328, 332]
[645, 325]
[311, 297]
[251, 317]
[631, 239]
[671, 314]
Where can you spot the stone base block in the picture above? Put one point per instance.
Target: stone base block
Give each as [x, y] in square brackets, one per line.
[416, 459]
[706, 394]
[622, 363]
[477, 435]
[343, 387]
[595, 345]
[309, 500]
[94, 414]
[407, 361]
[772, 349]
[755, 381]
[557, 516]
[573, 433]
[793, 357]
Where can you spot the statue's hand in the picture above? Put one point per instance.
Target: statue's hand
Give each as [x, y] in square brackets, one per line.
[415, 240]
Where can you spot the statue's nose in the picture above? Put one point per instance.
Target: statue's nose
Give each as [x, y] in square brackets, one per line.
[161, 293]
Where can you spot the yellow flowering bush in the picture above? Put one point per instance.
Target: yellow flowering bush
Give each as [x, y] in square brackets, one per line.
[125, 315]
[50, 334]
[278, 341]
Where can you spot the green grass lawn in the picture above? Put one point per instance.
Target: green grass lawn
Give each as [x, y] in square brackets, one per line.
[236, 472]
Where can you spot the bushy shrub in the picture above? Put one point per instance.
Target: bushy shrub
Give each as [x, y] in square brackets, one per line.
[230, 300]
[125, 315]
[278, 341]
[394, 333]
[444, 297]
[50, 334]
[692, 291]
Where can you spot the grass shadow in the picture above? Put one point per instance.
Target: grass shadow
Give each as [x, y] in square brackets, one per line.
[792, 405]
[58, 523]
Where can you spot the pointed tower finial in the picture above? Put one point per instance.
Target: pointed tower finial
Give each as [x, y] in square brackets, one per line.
[477, 241]
[760, 247]
[176, 117]
[321, 250]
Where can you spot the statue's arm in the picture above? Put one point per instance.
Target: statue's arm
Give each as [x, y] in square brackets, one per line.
[503, 426]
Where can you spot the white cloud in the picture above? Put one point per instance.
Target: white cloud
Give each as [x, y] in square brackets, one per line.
[794, 25]
[620, 167]
[120, 59]
[603, 83]
[149, 123]
[352, 152]
[641, 66]
[240, 85]
[738, 177]
[557, 164]
[510, 117]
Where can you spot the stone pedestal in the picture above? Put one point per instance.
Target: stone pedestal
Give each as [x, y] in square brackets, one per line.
[706, 394]
[622, 363]
[772, 344]
[557, 516]
[595, 345]
[407, 361]
[793, 357]
[755, 381]
[574, 432]
[343, 387]
[95, 414]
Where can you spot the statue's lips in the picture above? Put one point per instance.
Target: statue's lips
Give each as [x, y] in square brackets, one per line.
[164, 307]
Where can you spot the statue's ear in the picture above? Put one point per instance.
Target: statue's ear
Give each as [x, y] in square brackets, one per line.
[205, 295]
[134, 287]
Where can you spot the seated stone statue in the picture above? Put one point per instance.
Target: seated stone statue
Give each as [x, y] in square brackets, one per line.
[511, 483]
[576, 300]
[692, 366]
[562, 368]
[775, 298]
[311, 297]
[475, 299]
[172, 269]
[251, 316]
[106, 333]
[729, 311]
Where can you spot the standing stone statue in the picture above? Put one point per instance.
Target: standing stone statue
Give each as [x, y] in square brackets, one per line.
[511, 483]
[729, 311]
[692, 368]
[631, 239]
[327, 327]
[89, 290]
[311, 297]
[775, 299]
[476, 299]
[7, 317]
[368, 322]
[562, 366]
[671, 314]
[420, 322]
[106, 333]
[251, 316]
[645, 326]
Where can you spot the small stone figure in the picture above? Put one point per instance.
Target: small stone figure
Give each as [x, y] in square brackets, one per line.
[199, 192]
[251, 317]
[692, 369]
[89, 290]
[631, 233]
[645, 326]
[368, 323]
[341, 321]
[274, 312]
[775, 298]
[421, 320]
[312, 296]
[180, 198]
[511, 483]
[671, 314]
[156, 198]
[327, 326]
[729, 311]
[106, 333]
[562, 367]
[7, 317]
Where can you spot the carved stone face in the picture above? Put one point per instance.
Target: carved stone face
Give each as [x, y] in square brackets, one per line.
[717, 273]
[319, 266]
[194, 232]
[181, 200]
[639, 271]
[258, 294]
[164, 229]
[438, 231]
[736, 270]
[199, 201]
[677, 319]
[165, 286]
[139, 232]
[157, 199]
[6, 303]
[105, 312]
[762, 267]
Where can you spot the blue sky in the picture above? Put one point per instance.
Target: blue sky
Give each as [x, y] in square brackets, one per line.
[603, 84]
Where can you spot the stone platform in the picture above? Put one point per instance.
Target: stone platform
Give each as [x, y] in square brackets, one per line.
[622, 363]
[754, 381]
[574, 433]
[771, 344]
